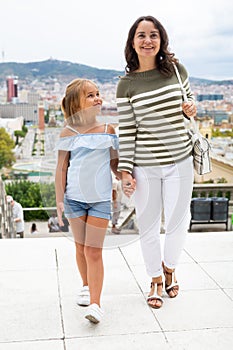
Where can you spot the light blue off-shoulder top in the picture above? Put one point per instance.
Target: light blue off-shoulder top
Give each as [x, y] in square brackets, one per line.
[89, 177]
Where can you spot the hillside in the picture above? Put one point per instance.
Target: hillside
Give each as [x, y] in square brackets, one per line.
[55, 69]
[66, 70]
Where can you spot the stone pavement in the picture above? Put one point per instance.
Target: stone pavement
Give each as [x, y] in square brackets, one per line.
[39, 283]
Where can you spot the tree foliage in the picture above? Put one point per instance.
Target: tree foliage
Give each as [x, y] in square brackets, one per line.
[7, 145]
[33, 195]
[20, 133]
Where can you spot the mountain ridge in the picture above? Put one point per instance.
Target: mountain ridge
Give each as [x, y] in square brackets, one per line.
[52, 68]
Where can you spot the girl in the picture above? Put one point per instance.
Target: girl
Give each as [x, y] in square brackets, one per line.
[87, 152]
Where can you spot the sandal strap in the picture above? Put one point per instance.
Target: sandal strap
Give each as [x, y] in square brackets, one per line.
[155, 296]
[154, 283]
[172, 273]
[168, 273]
[171, 286]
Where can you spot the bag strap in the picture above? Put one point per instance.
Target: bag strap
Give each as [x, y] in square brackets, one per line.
[185, 98]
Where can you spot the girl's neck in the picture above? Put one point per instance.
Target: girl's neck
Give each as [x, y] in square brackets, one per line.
[83, 120]
[86, 126]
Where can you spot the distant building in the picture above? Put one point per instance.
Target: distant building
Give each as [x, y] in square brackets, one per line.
[10, 125]
[41, 122]
[216, 115]
[206, 128]
[33, 98]
[12, 88]
[209, 97]
[29, 112]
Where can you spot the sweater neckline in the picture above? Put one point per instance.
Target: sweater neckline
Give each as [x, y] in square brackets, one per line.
[144, 74]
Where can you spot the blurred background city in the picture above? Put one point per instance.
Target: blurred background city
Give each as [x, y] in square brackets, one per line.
[31, 120]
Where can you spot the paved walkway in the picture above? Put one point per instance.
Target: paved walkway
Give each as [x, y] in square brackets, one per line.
[39, 283]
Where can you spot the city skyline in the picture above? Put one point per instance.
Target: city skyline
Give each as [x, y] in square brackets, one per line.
[94, 34]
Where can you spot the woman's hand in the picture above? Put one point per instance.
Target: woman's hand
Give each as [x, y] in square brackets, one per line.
[118, 175]
[189, 108]
[60, 210]
[128, 183]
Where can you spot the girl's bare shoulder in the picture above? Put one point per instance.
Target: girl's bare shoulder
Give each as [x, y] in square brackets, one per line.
[111, 129]
[65, 132]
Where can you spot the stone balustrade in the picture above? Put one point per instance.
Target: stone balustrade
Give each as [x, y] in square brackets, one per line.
[7, 227]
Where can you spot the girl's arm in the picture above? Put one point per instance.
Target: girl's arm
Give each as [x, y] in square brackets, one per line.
[114, 163]
[60, 182]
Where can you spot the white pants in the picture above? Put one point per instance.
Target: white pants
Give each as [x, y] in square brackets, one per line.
[168, 188]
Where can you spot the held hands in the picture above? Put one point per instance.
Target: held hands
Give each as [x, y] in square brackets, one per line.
[128, 184]
[118, 175]
[189, 108]
[60, 209]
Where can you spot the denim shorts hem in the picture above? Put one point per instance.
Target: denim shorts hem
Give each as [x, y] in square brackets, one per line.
[78, 215]
[75, 209]
[101, 216]
[74, 215]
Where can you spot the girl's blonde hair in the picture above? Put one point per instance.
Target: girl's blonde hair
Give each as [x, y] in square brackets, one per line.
[71, 102]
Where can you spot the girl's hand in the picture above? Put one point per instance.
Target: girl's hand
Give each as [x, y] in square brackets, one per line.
[60, 210]
[128, 183]
[189, 108]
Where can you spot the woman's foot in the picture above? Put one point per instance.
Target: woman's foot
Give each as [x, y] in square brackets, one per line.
[154, 298]
[171, 286]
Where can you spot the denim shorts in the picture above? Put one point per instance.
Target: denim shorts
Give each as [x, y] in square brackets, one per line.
[74, 209]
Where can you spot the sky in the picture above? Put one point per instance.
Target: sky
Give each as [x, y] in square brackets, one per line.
[94, 33]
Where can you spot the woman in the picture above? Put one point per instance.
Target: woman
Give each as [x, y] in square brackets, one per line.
[155, 151]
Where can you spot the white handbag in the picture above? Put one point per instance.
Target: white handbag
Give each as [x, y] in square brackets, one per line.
[201, 146]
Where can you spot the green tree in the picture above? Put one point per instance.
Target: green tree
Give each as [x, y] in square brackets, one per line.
[18, 133]
[33, 195]
[7, 157]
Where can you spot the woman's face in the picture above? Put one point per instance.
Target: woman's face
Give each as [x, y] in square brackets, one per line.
[146, 40]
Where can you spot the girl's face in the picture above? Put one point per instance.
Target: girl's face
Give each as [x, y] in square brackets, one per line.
[146, 40]
[90, 97]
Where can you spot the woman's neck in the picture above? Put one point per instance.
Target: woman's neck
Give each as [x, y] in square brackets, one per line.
[145, 65]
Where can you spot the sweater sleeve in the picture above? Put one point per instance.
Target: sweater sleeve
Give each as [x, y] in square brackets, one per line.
[186, 83]
[127, 126]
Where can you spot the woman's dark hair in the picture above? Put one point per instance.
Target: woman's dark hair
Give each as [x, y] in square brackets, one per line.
[164, 58]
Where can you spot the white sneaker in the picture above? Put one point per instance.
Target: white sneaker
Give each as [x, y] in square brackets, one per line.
[83, 298]
[94, 313]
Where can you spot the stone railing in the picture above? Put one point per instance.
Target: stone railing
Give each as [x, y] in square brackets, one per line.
[7, 228]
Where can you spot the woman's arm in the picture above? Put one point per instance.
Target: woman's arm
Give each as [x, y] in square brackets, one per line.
[60, 182]
[114, 156]
[127, 127]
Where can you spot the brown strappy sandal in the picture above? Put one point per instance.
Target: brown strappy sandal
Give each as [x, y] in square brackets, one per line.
[155, 296]
[173, 286]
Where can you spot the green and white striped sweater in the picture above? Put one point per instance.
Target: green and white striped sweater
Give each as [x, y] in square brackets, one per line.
[151, 122]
